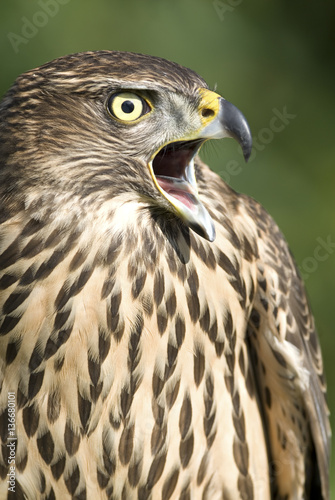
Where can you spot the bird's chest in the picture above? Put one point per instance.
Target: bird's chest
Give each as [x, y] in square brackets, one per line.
[177, 383]
[138, 379]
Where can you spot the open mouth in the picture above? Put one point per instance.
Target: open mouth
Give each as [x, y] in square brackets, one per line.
[174, 171]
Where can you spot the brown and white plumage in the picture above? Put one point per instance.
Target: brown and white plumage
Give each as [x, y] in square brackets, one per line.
[147, 361]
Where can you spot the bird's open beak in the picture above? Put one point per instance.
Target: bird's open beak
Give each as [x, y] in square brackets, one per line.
[172, 167]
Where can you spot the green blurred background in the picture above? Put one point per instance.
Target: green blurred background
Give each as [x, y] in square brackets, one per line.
[267, 58]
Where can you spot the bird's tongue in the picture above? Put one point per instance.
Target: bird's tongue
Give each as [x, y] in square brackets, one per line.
[179, 189]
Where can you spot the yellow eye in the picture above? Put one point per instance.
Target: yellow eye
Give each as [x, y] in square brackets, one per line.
[127, 106]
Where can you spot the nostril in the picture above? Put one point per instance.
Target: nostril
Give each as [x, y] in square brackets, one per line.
[207, 113]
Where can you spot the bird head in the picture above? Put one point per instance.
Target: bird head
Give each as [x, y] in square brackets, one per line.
[98, 125]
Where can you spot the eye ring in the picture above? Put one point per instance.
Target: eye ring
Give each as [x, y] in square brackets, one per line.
[127, 106]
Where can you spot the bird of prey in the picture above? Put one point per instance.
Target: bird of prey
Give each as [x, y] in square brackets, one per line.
[156, 340]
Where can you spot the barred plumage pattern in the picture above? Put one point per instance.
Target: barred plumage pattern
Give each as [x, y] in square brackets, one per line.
[147, 362]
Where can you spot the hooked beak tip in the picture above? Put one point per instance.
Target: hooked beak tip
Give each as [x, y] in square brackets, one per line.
[235, 124]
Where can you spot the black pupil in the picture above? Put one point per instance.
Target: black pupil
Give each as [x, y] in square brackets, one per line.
[127, 106]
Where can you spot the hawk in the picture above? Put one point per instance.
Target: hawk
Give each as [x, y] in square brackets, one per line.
[156, 340]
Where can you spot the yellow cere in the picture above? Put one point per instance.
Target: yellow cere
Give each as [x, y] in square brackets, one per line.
[209, 105]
